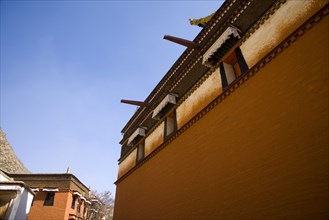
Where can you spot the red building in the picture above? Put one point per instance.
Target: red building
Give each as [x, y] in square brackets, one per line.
[57, 196]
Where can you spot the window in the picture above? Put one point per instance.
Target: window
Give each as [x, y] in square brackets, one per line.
[73, 202]
[49, 201]
[85, 211]
[136, 136]
[170, 123]
[79, 206]
[140, 152]
[232, 67]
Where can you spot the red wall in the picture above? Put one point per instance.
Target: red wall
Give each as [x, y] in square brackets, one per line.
[57, 211]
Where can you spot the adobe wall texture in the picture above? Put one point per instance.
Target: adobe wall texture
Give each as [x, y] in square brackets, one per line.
[128, 163]
[200, 98]
[57, 211]
[60, 210]
[74, 211]
[262, 153]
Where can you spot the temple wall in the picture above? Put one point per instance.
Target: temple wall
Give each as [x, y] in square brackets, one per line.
[128, 163]
[261, 153]
[199, 99]
[278, 27]
[154, 139]
[57, 211]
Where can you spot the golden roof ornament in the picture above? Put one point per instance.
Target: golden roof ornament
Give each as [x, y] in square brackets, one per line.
[201, 22]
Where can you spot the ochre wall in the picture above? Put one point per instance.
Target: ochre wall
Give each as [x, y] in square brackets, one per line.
[128, 163]
[262, 153]
[278, 27]
[199, 99]
[154, 139]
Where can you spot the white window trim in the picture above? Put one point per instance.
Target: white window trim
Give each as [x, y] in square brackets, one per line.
[50, 190]
[169, 99]
[231, 30]
[77, 194]
[139, 131]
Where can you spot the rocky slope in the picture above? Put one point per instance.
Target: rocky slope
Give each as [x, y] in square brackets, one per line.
[9, 162]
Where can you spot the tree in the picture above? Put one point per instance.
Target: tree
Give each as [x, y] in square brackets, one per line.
[104, 208]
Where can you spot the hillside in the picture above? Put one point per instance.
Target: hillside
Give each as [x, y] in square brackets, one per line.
[9, 162]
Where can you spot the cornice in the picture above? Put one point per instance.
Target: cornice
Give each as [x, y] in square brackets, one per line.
[245, 77]
[262, 19]
[221, 12]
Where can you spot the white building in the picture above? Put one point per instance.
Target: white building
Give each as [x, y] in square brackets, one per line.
[15, 198]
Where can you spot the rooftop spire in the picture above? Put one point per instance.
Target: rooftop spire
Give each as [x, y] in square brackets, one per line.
[201, 22]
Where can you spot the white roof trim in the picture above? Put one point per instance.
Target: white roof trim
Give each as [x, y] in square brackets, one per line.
[139, 131]
[50, 189]
[96, 200]
[10, 187]
[83, 198]
[77, 194]
[88, 202]
[35, 189]
[219, 42]
[170, 98]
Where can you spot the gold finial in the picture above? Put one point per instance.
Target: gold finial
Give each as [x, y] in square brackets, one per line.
[68, 170]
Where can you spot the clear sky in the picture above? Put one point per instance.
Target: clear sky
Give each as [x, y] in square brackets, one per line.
[65, 66]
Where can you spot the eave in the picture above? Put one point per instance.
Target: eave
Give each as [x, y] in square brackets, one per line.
[240, 13]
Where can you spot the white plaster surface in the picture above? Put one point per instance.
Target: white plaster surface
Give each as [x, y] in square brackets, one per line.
[279, 26]
[128, 163]
[199, 99]
[154, 139]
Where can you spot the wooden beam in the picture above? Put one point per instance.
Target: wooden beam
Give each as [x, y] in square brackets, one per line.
[186, 43]
[131, 102]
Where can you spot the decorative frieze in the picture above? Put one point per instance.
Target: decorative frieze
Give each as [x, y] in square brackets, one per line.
[232, 87]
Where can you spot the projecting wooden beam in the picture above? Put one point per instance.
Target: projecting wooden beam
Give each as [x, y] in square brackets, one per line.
[186, 43]
[131, 102]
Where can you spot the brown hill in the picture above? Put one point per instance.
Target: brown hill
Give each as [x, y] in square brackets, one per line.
[9, 162]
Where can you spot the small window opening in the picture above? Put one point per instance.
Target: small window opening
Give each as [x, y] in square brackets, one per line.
[79, 206]
[232, 67]
[85, 211]
[140, 152]
[73, 202]
[49, 201]
[170, 123]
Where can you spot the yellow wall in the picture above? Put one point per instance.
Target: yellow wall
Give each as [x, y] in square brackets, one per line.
[278, 27]
[128, 163]
[261, 153]
[199, 99]
[154, 139]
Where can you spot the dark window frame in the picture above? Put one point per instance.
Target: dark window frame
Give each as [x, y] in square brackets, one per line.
[173, 115]
[79, 206]
[50, 199]
[241, 64]
[140, 152]
[84, 210]
[73, 202]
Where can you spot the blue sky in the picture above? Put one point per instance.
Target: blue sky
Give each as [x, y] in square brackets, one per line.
[65, 66]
